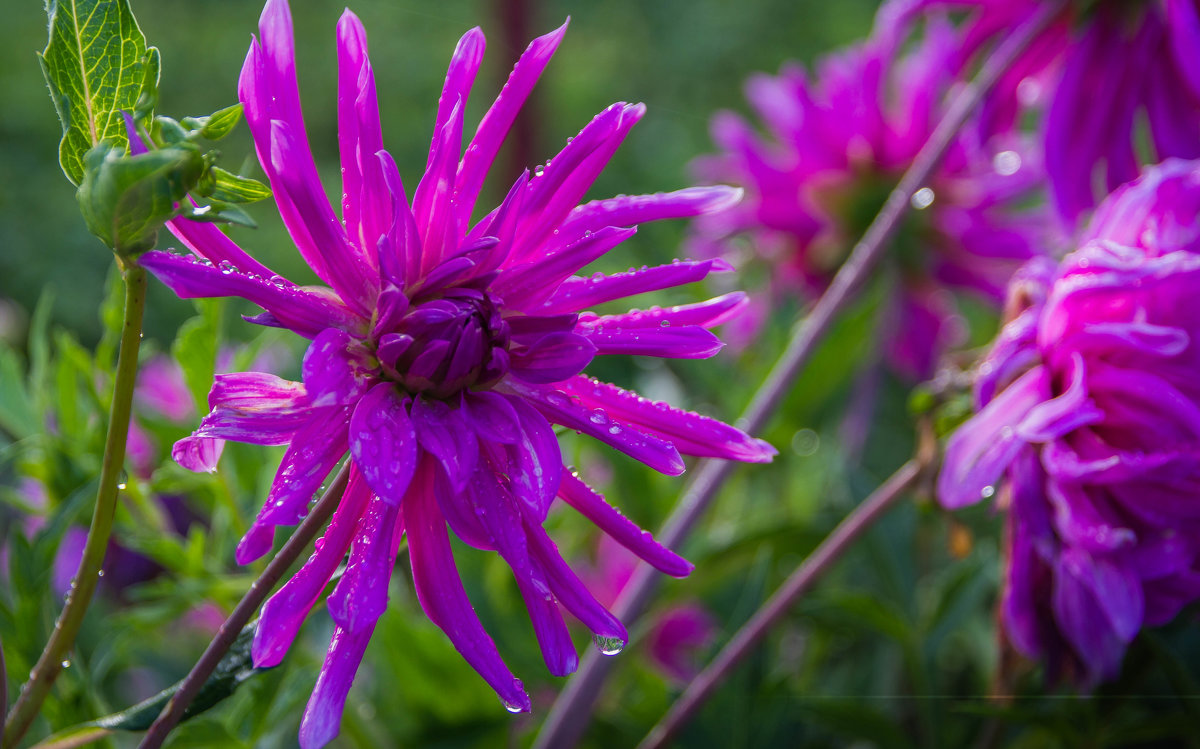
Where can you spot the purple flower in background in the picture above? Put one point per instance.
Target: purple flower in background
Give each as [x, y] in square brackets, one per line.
[1090, 410]
[835, 146]
[1110, 66]
[442, 353]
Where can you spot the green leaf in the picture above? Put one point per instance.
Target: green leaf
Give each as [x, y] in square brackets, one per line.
[147, 102]
[125, 200]
[218, 124]
[17, 414]
[233, 670]
[195, 348]
[232, 188]
[93, 63]
[219, 212]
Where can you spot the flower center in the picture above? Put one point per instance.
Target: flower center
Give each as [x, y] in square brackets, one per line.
[444, 345]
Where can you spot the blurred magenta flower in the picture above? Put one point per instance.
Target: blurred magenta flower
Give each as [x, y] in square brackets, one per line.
[833, 149]
[1111, 69]
[1090, 410]
[442, 352]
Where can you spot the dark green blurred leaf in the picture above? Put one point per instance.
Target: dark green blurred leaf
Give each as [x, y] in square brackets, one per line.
[93, 63]
[125, 200]
[17, 414]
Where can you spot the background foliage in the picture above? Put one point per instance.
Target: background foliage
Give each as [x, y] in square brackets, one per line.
[897, 648]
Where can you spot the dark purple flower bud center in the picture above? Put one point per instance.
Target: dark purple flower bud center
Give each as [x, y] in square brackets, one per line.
[444, 345]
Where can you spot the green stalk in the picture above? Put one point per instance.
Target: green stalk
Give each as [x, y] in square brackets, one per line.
[42, 677]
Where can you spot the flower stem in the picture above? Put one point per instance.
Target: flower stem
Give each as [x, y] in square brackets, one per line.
[300, 540]
[572, 710]
[809, 571]
[48, 666]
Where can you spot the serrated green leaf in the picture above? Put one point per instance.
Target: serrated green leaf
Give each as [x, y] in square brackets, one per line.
[93, 63]
[125, 200]
[232, 188]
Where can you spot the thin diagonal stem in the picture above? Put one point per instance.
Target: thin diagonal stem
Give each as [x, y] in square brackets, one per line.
[48, 666]
[300, 540]
[572, 710]
[811, 570]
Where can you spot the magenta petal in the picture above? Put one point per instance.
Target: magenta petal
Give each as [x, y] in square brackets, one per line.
[591, 505]
[383, 441]
[254, 407]
[305, 311]
[631, 210]
[536, 461]
[570, 590]
[982, 448]
[558, 408]
[350, 272]
[491, 416]
[1183, 24]
[337, 369]
[526, 285]
[209, 242]
[440, 591]
[315, 450]
[364, 205]
[708, 314]
[551, 631]
[691, 433]
[199, 454]
[443, 433]
[433, 200]
[553, 358]
[683, 342]
[481, 153]
[322, 719]
[361, 596]
[285, 611]
[460, 76]
[580, 293]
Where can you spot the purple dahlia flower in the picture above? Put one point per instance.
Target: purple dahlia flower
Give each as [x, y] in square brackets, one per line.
[1110, 65]
[834, 148]
[442, 353]
[1090, 413]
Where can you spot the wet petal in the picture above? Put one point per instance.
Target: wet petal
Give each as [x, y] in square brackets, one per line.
[440, 591]
[580, 293]
[383, 441]
[337, 369]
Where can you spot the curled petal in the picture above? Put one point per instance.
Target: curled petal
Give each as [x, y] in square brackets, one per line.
[553, 358]
[440, 591]
[337, 369]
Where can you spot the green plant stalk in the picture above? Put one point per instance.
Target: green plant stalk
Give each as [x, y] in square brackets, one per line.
[42, 677]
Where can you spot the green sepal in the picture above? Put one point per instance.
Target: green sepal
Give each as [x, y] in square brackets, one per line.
[232, 188]
[125, 200]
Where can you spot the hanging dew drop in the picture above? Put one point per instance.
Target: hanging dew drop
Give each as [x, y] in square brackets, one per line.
[987, 492]
[66, 664]
[608, 645]
[511, 707]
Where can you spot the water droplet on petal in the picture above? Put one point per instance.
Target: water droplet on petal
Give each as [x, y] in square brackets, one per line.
[512, 708]
[987, 492]
[608, 645]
